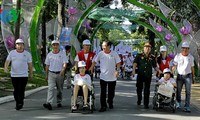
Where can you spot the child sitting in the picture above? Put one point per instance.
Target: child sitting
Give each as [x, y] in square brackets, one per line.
[167, 78]
[83, 81]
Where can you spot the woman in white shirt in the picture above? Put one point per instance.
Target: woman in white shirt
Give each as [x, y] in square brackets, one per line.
[81, 80]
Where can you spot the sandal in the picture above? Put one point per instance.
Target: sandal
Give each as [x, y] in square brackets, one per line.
[74, 107]
[85, 106]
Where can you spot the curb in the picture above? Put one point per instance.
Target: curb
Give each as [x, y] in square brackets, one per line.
[27, 93]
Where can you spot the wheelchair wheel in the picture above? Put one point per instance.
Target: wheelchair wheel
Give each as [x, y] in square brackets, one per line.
[91, 103]
[154, 101]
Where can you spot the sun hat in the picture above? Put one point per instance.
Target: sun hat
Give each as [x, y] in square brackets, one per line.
[81, 64]
[185, 44]
[163, 48]
[19, 41]
[166, 70]
[55, 42]
[86, 42]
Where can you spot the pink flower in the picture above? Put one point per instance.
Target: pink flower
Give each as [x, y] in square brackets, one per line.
[185, 30]
[72, 10]
[159, 28]
[168, 37]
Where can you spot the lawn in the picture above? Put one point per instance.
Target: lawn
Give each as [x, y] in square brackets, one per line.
[6, 87]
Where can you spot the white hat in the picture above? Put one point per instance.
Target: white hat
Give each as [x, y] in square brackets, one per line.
[81, 64]
[163, 48]
[55, 42]
[86, 42]
[19, 41]
[185, 44]
[166, 70]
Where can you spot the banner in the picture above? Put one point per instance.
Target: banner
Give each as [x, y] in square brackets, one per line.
[65, 37]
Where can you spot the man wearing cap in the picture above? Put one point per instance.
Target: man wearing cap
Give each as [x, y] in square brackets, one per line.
[21, 64]
[85, 55]
[55, 62]
[163, 60]
[144, 62]
[184, 63]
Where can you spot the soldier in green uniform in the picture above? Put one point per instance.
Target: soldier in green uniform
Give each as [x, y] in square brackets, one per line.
[144, 62]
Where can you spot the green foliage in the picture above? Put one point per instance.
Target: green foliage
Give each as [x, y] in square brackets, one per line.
[51, 8]
[37, 81]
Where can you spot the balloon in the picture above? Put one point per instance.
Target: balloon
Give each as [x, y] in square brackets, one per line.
[168, 37]
[159, 28]
[185, 30]
[171, 55]
[72, 10]
[10, 41]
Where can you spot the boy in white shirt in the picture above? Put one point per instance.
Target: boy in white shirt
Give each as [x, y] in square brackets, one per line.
[81, 80]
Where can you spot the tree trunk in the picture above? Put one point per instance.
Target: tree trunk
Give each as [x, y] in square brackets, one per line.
[61, 23]
[17, 24]
[43, 55]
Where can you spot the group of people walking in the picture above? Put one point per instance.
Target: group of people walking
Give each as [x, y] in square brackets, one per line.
[57, 65]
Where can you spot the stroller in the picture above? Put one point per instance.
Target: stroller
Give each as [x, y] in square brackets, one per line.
[80, 100]
[164, 97]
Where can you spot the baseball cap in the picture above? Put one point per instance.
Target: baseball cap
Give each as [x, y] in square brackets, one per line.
[55, 42]
[19, 41]
[147, 44]
[166, 70]
[86, 42]
[163, 48]
[185, 44]
[81, 64]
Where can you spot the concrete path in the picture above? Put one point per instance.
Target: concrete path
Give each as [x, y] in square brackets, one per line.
[125, 107]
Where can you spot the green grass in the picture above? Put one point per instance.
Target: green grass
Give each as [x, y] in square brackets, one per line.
[37, 81]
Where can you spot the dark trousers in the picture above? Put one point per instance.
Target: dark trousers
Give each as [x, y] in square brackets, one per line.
[143, 83]
[19, 84]
[111, 92]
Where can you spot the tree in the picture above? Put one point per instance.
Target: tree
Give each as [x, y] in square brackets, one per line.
[17, 24]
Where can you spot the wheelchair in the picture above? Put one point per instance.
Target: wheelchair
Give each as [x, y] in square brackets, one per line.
[160, 101]
[80, 100]
[128, 71]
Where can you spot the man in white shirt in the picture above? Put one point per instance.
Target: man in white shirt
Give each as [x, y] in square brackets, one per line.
[109, 72]
[184, 63]
[21, 64]
[56, 62]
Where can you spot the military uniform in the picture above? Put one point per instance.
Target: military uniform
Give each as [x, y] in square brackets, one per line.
[144, 65]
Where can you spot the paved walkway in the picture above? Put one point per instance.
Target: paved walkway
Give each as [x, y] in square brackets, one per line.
[125, 107]
[195, 97]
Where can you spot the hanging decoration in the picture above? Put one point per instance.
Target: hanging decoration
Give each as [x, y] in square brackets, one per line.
[72, 10]
[185, 30]
[159, 28]
[171, 55]
[10, 41]
[168, 37]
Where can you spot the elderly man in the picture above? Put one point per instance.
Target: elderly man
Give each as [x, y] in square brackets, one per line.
[110, 67]
[144, 62]
[55, 69]
[184, 63]
[21, 64]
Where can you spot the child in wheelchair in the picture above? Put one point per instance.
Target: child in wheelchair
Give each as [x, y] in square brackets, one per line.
[81, 81]
[165, 91]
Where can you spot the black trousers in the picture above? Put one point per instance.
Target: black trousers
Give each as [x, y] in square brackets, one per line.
[143, 83]
[19, 84]
[111, 92]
